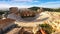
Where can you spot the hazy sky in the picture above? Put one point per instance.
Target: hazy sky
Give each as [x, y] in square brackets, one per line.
[29, 3]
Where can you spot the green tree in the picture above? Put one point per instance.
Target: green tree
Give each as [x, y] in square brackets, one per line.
[34, 8]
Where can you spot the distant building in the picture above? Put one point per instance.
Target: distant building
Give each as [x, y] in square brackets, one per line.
[13, 9]
[4, 17]
[40, 10]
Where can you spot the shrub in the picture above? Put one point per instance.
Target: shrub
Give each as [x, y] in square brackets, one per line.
[48, 29]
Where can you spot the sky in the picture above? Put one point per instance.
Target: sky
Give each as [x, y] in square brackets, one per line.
[30, 3]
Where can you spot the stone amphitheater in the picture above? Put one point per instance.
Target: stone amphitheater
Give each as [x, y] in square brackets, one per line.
[27, 25]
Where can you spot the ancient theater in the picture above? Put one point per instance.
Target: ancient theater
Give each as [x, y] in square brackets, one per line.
[22, 21]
